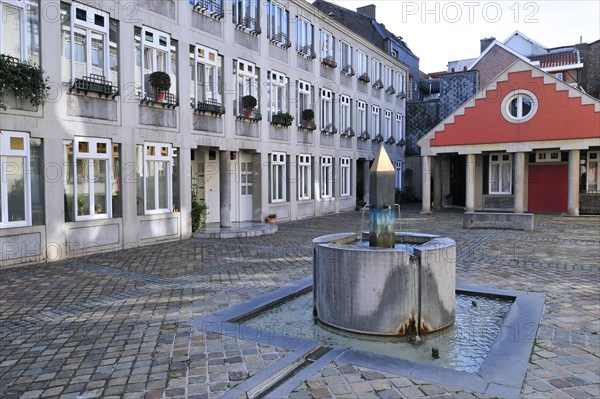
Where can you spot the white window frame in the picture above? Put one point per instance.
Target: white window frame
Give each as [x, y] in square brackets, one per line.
[326, 176]
[503, 160]
[375, 121]
[327, 45]
[207, 59]
[6, 150]
[90, 28]
[326, 108]
[558, 75]
[548, 156]
[278, 92]
[388, 123]
[361, 117]
[278, 177]
[304, 99]
[375, 70]
[399, 171]
[156, 46]
[592, 157]
[304, 177]
[246, 78]
[388, 77]
[25, 31]
[246, 14]
[345, 113]
[519, 96]
[158, 157]
[278, 23]
[399, 127]
[362, 63]
[91, 156]
[304, 36]
[346, 58]
[345, 177]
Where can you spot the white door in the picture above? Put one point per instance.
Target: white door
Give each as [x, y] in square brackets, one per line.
[245, 180]
[205, 180]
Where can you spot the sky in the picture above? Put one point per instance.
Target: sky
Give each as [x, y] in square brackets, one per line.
[442, 31]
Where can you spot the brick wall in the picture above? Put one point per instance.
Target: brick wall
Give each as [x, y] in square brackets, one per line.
[494, 62]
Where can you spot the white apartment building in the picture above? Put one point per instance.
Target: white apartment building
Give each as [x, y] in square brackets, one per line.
[110, 161]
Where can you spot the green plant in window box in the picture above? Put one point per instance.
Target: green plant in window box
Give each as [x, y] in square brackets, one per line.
[283, 118]
[26, 81]
[271, 218]
[161, 83]
[248, 104]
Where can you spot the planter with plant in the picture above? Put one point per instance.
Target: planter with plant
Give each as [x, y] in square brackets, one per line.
[249, 103]
[161, 83]
[282, 118]
[26, 81]
[308, 119]
[199, 212]
[271, 218]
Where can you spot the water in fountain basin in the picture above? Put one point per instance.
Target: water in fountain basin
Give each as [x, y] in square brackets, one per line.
[463, 346]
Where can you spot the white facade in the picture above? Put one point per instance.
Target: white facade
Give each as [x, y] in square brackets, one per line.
[113, 161]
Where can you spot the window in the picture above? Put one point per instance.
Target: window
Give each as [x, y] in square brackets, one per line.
[346, 58]
[305, 91]
[376, 71]
[559, 75]
[361, 117]
[500, 174]
[362, 65]
[547, 156]
[375, 121]
[304, 37]
[345, 183]
[345, 115]
[213, 8]
[278, 24]
[155, 51]
[399, 128]
[278, 177]
[246, 15]
[15, 196]
[89, 41]
[20, 30]
[399, 168]
[90, 182]
[304, 177]
[592, 178]
[205, 76]
[157, 177]
[519, 106]
[388, 79]
[246, 78]
[327, 109]
[327, 45]
[278, 93]
[388, 124]
[326, 177]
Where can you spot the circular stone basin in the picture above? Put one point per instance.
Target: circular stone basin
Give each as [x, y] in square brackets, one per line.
[385, 291]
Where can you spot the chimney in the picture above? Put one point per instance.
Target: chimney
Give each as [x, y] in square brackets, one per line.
[485, 43]
[367, 11]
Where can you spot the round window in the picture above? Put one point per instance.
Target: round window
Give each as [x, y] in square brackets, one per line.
[519, 106]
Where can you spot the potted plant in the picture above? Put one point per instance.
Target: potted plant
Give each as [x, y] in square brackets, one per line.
[283, 118]
[24, 80]
[364, 78]
[271, 218]
[248, 104]
[161, 83]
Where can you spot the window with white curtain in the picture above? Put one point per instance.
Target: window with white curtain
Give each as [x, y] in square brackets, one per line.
[346, 58]
[592, 180]
[375, 121]
[362, 64]
[245, 14]
[278, 177]
[399, 127]
[157, 177]
[15, 195]
[304, 37]
[500, 173]
[304, 176]
[388, 123]
[155, 51]
[246, 77]
[327, 49]
[345, 182]
[206, 75]
[278, 23]
[326, 109]
[361, 117]
[345, 114]
[278, 87]
[326, 176]
[20, 30]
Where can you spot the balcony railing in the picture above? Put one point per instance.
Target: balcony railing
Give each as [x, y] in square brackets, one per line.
[364, 136]
[378, 138]
[249, 114]
[211, 8]
[307, 52]
[165, 99]
[307, 125]
[348, 132]
[390, 140]
[378, 84]
[348, 70]
[248, 24]
[329, 129]
[282, 40]
[209, 106]
[282, 119]
[390, 90]
[95, 84]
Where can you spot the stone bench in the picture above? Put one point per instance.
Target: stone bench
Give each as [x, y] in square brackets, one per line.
[498, 220]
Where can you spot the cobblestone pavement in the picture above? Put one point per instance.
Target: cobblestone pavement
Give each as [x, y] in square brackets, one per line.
[116, 324]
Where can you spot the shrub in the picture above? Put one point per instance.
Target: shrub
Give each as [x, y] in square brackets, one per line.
[249, 101]
[308, 114]
[26, 81]
[199, 213]
[160, 81]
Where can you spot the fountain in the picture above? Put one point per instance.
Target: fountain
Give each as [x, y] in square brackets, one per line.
[383, 289]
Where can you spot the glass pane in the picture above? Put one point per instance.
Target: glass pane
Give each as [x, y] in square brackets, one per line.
[83, 187]
[100, 186]
[150, 186]
[249, 190]
[161, 61]
[494, 178]
[80, 58]
[592, 176]
[98, 54]
[512, 107]
[11, 31]
[15, 184]
[526, 106]
[506, 178]
[163, 198]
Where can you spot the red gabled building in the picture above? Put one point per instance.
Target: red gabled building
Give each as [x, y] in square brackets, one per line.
[526, 142]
